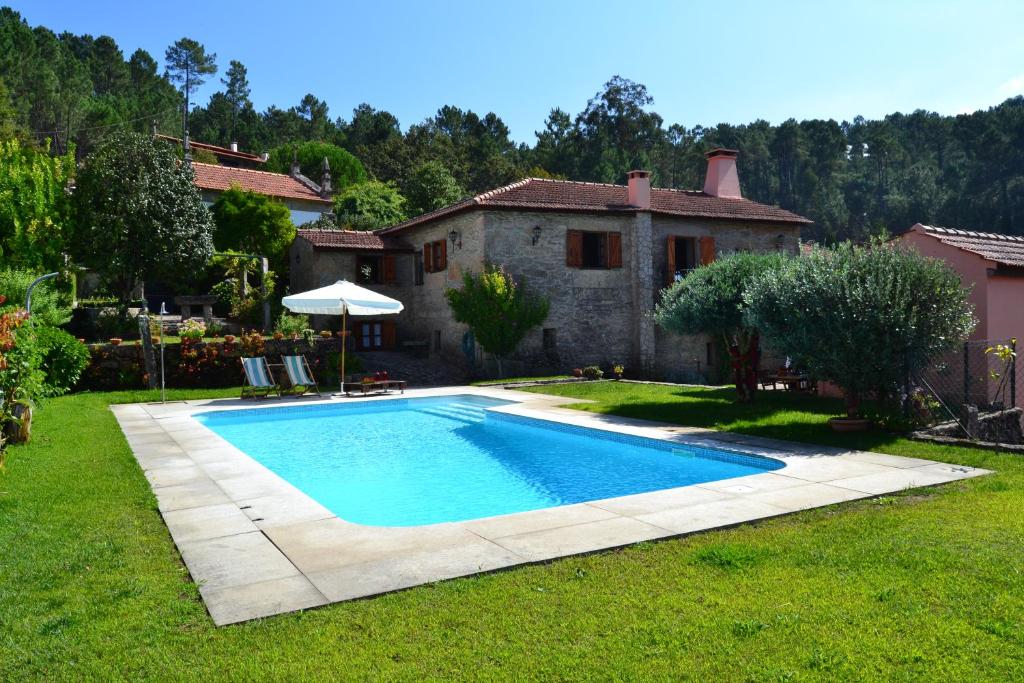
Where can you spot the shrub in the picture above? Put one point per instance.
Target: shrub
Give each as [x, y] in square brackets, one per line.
[63, 358]
[593, 372]
[290, 325]
[710, 301]
[498, 310]
[20, 378]
[50, 306]
[867, 318]
[192, 329]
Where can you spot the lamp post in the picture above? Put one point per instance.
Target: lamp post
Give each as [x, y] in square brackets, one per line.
[28, 294]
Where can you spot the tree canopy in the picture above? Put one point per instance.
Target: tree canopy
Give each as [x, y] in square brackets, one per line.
[252, 223]
[867, 318]
[138, 214]
[369, 205]
[710, 300]
[345, 169]
[430, 187]
[855, 178]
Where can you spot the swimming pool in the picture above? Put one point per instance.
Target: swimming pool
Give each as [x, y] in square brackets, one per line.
[409, 462]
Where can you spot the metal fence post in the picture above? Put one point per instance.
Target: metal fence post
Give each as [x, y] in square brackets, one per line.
[1013, 374]
[967, 382]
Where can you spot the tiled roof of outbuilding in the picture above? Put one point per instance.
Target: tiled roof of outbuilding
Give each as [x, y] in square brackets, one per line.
[220, 178]
[352, 239]
[542, 194]
[1007, 250]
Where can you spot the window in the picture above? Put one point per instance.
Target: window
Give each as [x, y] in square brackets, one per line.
[686, 253]
[375, 269]
[435, 256]
[593, 249]
[550, 340]
[417, 273]
[369, 270]
[437, 340]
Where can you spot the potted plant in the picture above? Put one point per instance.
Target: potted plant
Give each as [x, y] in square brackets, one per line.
[115, 341]
[229, 339]
[577, 373]
[593, 372]
[618, 369]
[325, 334]
[278, 335]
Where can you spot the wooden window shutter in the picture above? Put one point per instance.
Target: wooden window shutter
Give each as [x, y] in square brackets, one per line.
[670, 268]
[574, 248]
[441, 253]
[707, 250]
[615, 250]
[388, 267]
[387, 334]
[428, 258]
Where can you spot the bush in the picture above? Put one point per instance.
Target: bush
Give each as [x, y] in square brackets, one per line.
[710, 301]
[593, 372]
[867, 318]
[192, 329]
[63, 358]
[50, 306]
[290, 325]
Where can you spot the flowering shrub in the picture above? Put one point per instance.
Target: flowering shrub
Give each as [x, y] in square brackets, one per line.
[192, 329]
[19, 366]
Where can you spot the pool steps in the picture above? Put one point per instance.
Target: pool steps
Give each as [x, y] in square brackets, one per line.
[462, 412]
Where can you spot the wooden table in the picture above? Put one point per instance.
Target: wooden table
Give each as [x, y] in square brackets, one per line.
[789, 382]
[378, 386]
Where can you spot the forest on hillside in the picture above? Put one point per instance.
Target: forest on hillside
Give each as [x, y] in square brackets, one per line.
[853, 178]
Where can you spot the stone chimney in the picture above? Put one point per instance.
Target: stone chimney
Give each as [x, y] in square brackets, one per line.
[639, 183]
[325, 179]
[722, 179]
[295, 164]
[234, 146]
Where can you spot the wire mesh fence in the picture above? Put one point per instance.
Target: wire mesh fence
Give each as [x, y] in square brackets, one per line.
[981, 373]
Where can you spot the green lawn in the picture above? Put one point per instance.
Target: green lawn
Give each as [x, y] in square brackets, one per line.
[926, 585]
[515, 380]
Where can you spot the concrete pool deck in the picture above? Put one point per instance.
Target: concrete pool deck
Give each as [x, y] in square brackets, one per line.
[257, 546]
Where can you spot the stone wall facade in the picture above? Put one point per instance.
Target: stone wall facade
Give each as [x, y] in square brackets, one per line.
[598, 316]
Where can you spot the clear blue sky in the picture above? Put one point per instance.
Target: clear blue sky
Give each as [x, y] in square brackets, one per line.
[703, 62]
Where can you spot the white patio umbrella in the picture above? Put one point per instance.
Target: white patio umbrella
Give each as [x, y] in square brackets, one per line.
[343, 298]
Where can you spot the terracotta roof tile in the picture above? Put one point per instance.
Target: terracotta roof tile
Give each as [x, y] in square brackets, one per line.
[564, 195]
[215, 149]
[1007, 250]
[220, 178]
[352, 239]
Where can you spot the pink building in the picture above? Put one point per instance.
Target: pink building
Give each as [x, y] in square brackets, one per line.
[992, 265]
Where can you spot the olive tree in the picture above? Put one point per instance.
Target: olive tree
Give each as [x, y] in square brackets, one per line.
[709, 300]
[866, 318]
[498, 310]
[139, 215]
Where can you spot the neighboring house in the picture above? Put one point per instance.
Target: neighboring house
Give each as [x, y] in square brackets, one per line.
[991, 265]
[600, 253]
[305, 199]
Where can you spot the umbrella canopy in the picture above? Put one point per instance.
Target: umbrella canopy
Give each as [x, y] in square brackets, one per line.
[342, 297]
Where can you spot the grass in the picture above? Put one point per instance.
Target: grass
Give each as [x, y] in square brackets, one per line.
[924, 585]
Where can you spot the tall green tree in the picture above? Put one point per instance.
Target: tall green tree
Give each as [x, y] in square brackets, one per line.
[189, 65]
[497, 309]
[236, 92]
[34, 207]
[138, 215]
[430, 187]
[369, 205]
[252, 223]
[345, 169]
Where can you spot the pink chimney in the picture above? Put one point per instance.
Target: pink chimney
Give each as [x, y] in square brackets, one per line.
[639, 183]
[722, 179]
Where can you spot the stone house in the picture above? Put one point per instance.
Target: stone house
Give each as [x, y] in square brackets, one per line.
[600, 253]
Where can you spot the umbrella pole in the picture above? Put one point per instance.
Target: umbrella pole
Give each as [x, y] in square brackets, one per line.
[344, 338]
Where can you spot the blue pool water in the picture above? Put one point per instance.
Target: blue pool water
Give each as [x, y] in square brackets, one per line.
[407, 462]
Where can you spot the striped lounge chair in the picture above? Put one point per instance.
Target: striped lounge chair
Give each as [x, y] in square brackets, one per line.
[300, 376]
[259, 380]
